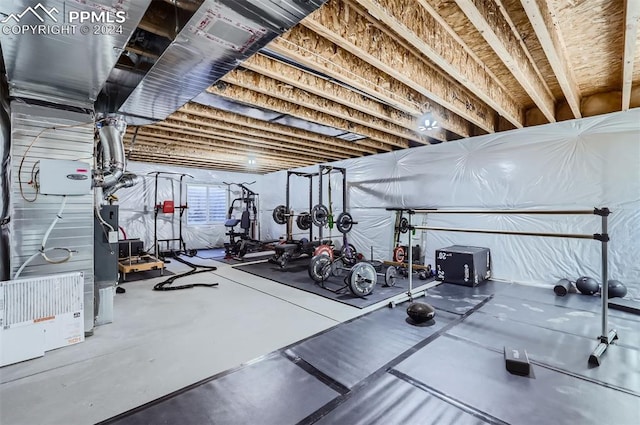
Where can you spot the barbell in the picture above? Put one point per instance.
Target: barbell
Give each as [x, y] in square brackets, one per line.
[319, 216]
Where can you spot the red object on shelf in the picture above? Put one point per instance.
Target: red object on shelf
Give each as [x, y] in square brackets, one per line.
[168, 207]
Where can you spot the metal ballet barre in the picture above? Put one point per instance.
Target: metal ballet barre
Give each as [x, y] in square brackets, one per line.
[607, 336]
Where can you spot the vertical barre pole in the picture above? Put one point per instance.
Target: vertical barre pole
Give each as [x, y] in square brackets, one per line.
[410, 261]
[605, 283]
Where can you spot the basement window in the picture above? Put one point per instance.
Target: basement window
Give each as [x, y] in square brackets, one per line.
[207, 205]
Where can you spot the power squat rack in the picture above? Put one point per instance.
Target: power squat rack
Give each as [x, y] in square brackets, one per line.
[319, 215]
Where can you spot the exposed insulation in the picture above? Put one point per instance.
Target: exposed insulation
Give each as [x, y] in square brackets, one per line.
[352, 32]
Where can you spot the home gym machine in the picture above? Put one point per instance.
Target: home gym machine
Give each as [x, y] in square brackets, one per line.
[168, 207]
[283, 214]
[319, 215]
[248, 239]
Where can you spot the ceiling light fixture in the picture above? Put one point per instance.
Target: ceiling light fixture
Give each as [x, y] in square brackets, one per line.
[427, 122]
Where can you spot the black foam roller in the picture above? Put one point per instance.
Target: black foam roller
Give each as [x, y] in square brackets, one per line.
[562, 288]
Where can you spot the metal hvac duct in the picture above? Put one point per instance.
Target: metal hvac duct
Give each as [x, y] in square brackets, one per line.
[218, 37]
[110, 174]
[5, 184]
[127, 180]
[70, 64]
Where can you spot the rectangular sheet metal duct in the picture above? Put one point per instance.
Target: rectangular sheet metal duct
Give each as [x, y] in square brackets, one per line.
[57, 58]
[217, 38]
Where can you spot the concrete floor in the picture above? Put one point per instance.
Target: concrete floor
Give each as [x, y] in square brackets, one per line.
[163, 341]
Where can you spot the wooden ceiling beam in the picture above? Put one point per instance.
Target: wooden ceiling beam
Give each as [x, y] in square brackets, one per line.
[487, 17]
[548, 33]
[208, 112]
[195, 152]
[220, 132]
[170, 140]
[182, 119]
[631, 18]
[150, 157]
[425, 34]
[333, 91]
[344, 26]
[243, 142]
[376, 139]
[314, 51]
[213, 155]
[268, 86]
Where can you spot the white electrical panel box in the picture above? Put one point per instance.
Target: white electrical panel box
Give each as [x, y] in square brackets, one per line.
[64, 177]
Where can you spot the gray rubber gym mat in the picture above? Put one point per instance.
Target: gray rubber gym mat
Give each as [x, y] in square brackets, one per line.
[620, 366]
[219, 255]
[572, 301]
[391, 401]
[352, 351]
[460, 299]
[271, 392]
[477, 377]
[577, 322]
[296, 275]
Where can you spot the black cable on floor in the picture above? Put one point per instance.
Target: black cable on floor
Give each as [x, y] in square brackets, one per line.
[195, 269]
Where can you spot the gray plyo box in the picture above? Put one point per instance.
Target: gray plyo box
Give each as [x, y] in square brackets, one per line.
[463, 265]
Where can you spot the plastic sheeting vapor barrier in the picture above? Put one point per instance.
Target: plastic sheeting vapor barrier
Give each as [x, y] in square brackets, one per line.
[592, 162]
[137, 205]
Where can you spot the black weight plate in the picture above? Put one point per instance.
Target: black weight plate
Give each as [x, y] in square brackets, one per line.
[404, 225]
[304, 221]
[280, 214]
[337, 268]
[320, 268]
[344, 222]
[320, 215]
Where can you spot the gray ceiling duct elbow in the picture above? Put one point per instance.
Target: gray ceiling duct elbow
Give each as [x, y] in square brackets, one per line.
[127, 180]
[218, 37]
[112, 164]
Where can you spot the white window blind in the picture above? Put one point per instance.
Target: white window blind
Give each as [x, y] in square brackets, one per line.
[207, 204]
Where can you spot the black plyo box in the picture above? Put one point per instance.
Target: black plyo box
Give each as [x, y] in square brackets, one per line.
[463, 265]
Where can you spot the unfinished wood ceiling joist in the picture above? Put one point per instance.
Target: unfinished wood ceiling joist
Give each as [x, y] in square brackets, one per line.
[413, 22]
[217, 164]
[268, 86]
[178, 142]
[487, 17]
[344, 26]
[245, 143]
[194, 126]
[252, 123]
[631, 18]
[375, 138]
[332, 91]
[375, 69]
[548, 34]
[314, 51]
